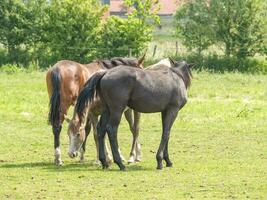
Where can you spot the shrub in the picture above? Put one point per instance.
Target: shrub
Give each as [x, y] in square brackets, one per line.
[10, 69]
[217, 63]
[120, 36]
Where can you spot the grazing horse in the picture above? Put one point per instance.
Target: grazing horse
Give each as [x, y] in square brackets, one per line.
[65, 81]
[158, 89]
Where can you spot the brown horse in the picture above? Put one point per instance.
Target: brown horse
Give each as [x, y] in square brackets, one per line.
[65, 81]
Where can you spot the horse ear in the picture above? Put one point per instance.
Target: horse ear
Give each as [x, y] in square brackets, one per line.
[172, 61]
[66, 118]
[141, 61]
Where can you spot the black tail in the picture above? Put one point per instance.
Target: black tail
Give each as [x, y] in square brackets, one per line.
[54, 104]
[89, 91]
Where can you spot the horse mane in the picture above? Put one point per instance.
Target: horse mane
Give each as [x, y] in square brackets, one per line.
[88, 93]
[116, 61]
[185, 73]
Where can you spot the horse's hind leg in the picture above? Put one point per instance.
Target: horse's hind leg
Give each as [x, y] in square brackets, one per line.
[56, 131]
[107, 152]
[168, 117]
[137, 117]
[166, 155]
[135, 154]
[87, 132]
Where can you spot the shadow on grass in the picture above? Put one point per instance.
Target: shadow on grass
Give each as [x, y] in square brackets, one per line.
[87, 166]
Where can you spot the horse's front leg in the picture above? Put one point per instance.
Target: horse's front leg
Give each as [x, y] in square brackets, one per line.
[112, 129]
[168, 117]
[87, 132]
[101, 132]
[106, 149]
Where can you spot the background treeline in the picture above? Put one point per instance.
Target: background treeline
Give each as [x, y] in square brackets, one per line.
[41, 32]
[220, 35]
[225, 34]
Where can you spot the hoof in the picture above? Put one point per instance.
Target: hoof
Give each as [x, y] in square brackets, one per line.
[121, 166]
[123, 169]
[159, 167]
[97, 162]
[138, 158]
[82, 160]
[58, 162]
[131, 160]
[105, 167]
[169, 165]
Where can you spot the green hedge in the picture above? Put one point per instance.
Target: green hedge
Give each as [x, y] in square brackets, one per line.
[216, 63]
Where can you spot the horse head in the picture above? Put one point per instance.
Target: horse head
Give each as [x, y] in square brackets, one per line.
[77, 135]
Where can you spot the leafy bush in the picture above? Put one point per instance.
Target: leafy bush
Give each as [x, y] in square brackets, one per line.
[11, 69]
[238, 26]
[3, 56]
[124, 36]
[217, 63]
[120, 36]
[72, 29]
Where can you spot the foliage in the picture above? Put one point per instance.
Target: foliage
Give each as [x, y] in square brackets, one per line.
[124, 36]
[11, 69]
[121, 37]
[72, 29]
[16, 25]
[145, 10]
[193, 25]
[238, 25]
[43, 32]
[215, 63]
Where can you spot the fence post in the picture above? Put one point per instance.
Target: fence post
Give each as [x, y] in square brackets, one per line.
[154, 51]
[176, 48]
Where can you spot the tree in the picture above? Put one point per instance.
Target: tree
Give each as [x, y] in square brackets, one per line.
[15, 28]
[238, 25]
[193, 25]
[120, 35]
[144, 10]
[72, 29]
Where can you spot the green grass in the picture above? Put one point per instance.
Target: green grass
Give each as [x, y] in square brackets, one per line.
[218, 146]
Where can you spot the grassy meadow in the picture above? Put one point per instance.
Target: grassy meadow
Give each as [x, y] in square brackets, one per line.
[218, 146]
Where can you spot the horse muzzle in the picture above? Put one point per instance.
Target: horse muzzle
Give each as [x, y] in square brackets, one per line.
[73, 154]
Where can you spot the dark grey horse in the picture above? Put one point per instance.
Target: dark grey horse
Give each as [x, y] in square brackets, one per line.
[159, 89]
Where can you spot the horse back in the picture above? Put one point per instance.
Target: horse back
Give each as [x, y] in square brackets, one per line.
[72, 75]
[142, 90]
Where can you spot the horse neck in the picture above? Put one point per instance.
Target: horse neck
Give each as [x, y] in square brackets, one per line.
[91, 68]
[81, 120]
[184, 75]
[164, 61]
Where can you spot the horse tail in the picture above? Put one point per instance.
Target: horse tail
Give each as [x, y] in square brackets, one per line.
[54, 104]
[90, 90]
